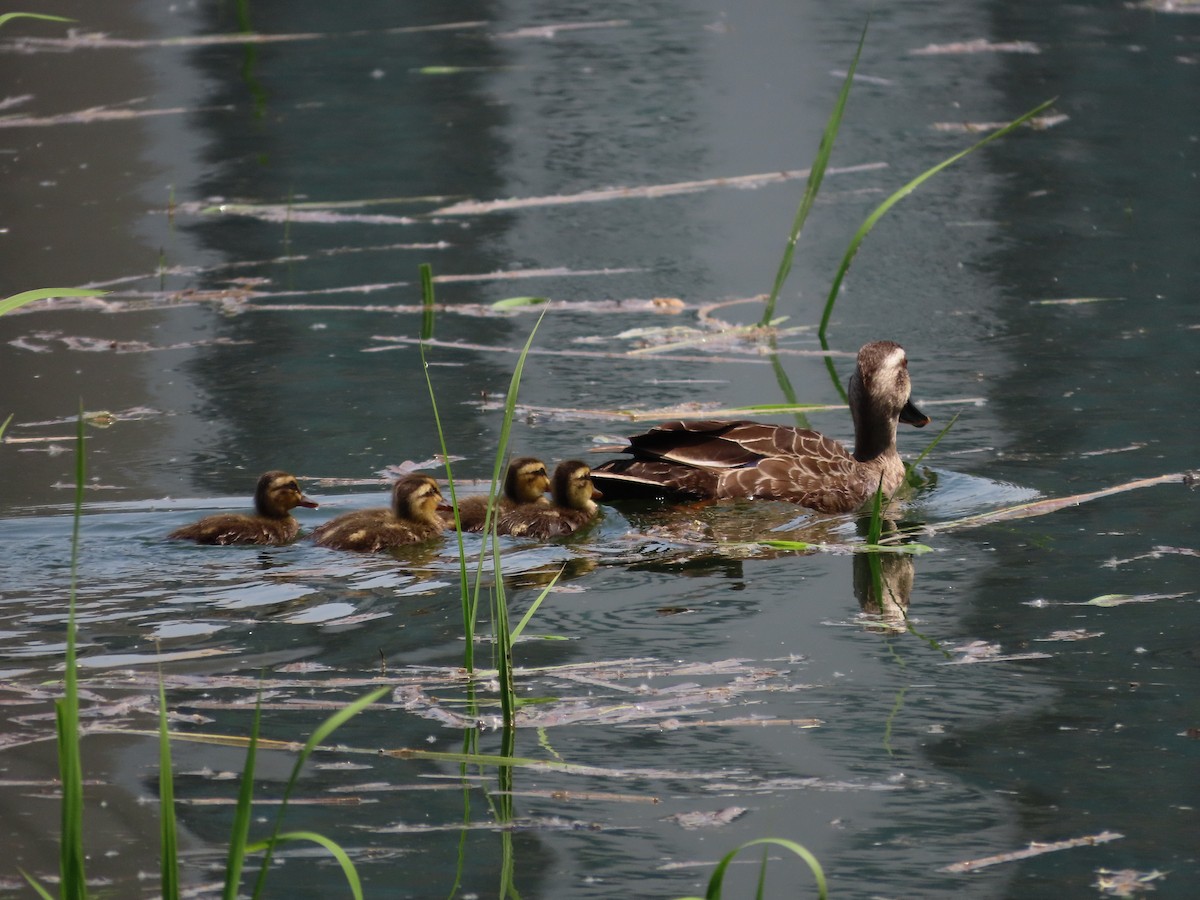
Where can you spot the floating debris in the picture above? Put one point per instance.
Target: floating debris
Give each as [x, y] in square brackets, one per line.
[979, 45]
[1109, 600]
[552, 31]
[600, 195]
[1074, 634]
[83, 344]
[1034, 849]
[1037, 123]
[717, 819]
[1126, 882]
[1073, 301]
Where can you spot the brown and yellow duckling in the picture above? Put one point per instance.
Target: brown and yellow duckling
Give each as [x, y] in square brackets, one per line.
[525, 484]
[412, 519]
[276, 495]
[752, 460]
[574, 506]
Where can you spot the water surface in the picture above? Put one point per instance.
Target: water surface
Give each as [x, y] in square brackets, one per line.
[694, 675]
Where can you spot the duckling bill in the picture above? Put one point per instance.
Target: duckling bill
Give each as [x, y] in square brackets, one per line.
[412, 519]
[743, 459]
[275, 496]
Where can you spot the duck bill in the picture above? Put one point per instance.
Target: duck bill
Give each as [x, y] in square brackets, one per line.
[596, 495]
[306, 503]
[910, 415]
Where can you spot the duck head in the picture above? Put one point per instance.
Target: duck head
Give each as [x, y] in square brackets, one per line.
[573, 487]
[277, 494]
[416, 498]
[526, 480]
[880, 396]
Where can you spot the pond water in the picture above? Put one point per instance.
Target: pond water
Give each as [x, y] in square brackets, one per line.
[259, 218]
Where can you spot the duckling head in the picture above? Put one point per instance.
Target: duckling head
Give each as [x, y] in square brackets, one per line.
[526, 480]
[573, 487]
[277, 494]
[416, 498]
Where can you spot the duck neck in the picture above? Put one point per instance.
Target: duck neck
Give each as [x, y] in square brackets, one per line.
[874, 429]
[269, 511]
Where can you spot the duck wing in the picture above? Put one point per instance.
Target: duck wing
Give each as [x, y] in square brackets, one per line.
[723, 459]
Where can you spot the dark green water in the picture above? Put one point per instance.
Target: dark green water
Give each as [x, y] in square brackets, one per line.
[919, 760]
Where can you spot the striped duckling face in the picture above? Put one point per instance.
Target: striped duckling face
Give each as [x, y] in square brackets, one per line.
[416, 498]
[277, 494]
[526, 480]
[573, 487]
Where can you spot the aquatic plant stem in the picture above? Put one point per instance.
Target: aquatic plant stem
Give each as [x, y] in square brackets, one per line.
[882, 209]
[71, 861]
[815, 176]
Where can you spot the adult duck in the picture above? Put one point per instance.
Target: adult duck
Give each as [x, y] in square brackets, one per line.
[412, 519]
[574, 506]
[276, 495]
[525, 483]
[721, 459]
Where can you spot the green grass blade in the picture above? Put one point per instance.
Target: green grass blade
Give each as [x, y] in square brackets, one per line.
[500, 622]
[895, 198]
[324, 730]
[519, 302]
[816, 174]
[875, 530]
[33, 883]
[937, 440]
[169, 865]
[71, 857]
[503, 642]
[7, 17]
[426, 271]
[4, 425]
[235, 861]
[536, 603]
[8, 304]
[335, 850]
[427, 302]
[718, 876]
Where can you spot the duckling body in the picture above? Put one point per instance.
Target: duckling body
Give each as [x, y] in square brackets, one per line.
[752, 460]
[276, 494]
[525, 483]
[574, 506]
[412, 519]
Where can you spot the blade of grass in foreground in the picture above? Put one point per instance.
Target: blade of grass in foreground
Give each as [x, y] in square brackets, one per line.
[427, 320]
[718, 876]
[71, 862]
[72, 878]
[235, 861]
[324, 730]
[8, 17]
[882, 209]
[8, 304]
[335, 850]
[816, 175]
[500, 623]
[169, 851]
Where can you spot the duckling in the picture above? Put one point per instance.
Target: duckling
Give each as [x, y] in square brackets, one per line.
[524, 484]
[412, 519]
[752, 460]
[275, 496]
[574, 506]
